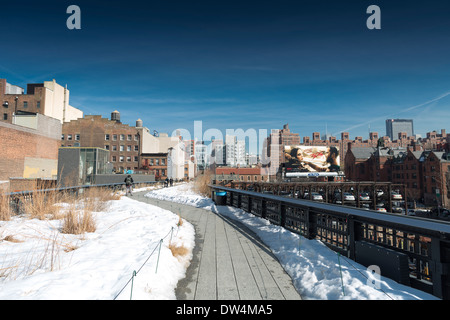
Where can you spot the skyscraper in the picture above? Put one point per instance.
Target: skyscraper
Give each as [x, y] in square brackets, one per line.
[395, 126]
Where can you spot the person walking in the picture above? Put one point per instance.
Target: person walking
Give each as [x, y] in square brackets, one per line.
[129, 184]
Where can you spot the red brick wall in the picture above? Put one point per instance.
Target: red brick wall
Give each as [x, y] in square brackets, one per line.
[16, 144]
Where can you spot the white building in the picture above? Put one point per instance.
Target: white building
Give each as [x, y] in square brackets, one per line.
[234, 151]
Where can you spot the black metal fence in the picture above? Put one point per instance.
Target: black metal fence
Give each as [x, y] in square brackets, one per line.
[411, 250]
[16, 198]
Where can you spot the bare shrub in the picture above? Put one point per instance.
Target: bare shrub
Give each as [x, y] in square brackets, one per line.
[201, 184]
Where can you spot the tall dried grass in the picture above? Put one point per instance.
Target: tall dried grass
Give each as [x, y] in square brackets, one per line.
[78, 221]
[5, 208]
[201, 183]
[42, 205]
[97, 199]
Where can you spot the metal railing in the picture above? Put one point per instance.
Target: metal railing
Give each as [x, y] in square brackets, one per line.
[17, 197]
[423, 243]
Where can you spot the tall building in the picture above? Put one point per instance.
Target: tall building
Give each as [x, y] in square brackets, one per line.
[122, 140]
[47, 98]
[234, 151]
[396, 126]
[276, 142]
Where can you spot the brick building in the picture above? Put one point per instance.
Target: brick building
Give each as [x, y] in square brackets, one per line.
[30, 150]
[425, 174]
[122, 140]
[47, 98]
[155, 163]
[241, 174]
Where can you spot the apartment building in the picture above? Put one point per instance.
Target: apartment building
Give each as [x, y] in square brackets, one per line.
[425, 174]
[47, 98]
[122, 140]
[29, 147]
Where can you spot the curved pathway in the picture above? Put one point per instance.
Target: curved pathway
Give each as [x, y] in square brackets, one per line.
[229, 261]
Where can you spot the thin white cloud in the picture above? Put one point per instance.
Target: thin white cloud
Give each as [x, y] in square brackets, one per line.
[392, 115]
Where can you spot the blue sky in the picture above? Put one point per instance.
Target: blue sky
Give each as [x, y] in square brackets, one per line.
[239, 64]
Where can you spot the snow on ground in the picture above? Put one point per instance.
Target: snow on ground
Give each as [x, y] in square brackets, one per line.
[317, 271]
[42, 263]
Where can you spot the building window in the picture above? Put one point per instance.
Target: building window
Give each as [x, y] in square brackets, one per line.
[107, 146]
[156, 162]
[114, 137]
[62, 137]
[69, 137]
[129, 137]
[25, 104]
[113, 158]
[135, 158]
[77, 137]
[114, 148]
[136, 137]
[136, 148]
[121, 158]
[38, 104]
[107, 137]
[128, 148]
[121, 148]
[122, 137]
[5, 116]
[128, 159]
[163, 162]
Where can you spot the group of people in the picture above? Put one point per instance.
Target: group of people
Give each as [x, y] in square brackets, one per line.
[168, 182]
[129, 184]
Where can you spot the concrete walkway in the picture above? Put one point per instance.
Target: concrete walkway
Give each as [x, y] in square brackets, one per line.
[229, 261]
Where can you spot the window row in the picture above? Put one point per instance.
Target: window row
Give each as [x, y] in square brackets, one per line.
[121, 137]
[25, 104]
[121, 148]
[155, 162]
[122, 159]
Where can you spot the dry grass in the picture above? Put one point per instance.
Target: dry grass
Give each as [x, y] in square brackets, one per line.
[78, 221]
[42, 205]
[201, 184]
[97, 199]
[5, 209]
[10, 238]
[178, 251]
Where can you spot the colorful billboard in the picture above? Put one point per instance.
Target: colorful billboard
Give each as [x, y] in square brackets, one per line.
[307, 159]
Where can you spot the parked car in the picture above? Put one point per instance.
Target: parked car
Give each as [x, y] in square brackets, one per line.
[364, 196]
[381, 209]
[398, 209]
[286, 194]
[315, 196]
[380, 193]
[396, 195]
[347, 197]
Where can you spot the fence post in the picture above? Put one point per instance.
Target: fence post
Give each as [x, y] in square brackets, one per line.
[311, 224]
[351, 237]
[263, 208]
[439, 265]
[282, 215]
